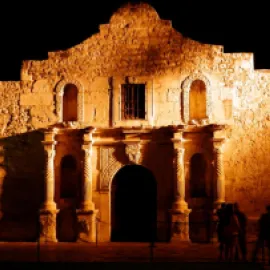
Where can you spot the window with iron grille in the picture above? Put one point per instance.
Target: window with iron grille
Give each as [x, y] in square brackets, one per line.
[133, 101]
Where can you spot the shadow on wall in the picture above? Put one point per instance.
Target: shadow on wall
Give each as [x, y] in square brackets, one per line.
[22, 161]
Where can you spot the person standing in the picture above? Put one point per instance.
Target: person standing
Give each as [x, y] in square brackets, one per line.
[242, 236]
[231, 232]
[263, 235]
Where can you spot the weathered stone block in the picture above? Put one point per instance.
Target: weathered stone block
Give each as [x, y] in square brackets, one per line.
[36, 99]
[87, 225]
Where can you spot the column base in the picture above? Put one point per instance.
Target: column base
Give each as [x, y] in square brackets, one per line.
[87, 206]
[180, 205]
[87, 225]
[47, 220]
[49, 206]
[180, 225]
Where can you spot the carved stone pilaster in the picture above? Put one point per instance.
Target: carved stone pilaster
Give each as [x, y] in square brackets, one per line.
[87, 225]
[49, 148]
[219, 171]
[180, 202]
[133, 151]
[180, 211]
[48, 212]
[87, 203]
[47, 220]
[86, 216]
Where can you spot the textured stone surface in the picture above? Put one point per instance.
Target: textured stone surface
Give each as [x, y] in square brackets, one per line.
[139, 45]
[48, 226]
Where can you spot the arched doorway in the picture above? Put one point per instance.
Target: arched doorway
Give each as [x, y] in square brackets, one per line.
[70, 103]
[134, 205]
[69, 197]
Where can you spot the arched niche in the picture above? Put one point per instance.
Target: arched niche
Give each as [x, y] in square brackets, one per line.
[197, 100]
[65, 90]
[196, 87]
[197, 181]
[70, 103]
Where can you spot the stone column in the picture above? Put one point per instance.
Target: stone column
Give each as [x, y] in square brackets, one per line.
[86, 215]
[87, 203]
[48, 211]
[180, 202]
[180, 212]
[219, 173]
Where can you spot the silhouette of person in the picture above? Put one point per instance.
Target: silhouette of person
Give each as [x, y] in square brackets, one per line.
[242, 240]
[221, 214]
[231, 232]
[264, 234]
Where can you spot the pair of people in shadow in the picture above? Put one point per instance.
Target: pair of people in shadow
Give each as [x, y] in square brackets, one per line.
[232, 233]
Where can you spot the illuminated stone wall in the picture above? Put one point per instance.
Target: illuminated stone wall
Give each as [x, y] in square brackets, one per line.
[247, 151]
[139, 45]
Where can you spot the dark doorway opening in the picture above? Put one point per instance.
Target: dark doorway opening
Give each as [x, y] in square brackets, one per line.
[69, 195]
[197, 176]
[200, 202]
[134, 205]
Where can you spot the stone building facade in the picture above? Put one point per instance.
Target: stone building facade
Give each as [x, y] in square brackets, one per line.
[137, 132]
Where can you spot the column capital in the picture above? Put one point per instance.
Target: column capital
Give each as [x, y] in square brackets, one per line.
[49, 134]
[88, 134]
[49, 147]
[87, 149]
[218, 145]
[177, 143]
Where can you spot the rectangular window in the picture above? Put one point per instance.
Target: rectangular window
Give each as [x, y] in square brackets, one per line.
[133, 101]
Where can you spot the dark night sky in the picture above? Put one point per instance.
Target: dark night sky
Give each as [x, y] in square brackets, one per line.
[30, 30]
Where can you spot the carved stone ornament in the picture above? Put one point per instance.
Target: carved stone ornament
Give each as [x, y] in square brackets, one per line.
[133, 151]
[86, 226]
[48, 226]
[83, 226]
[109, 166]
[180, 226]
